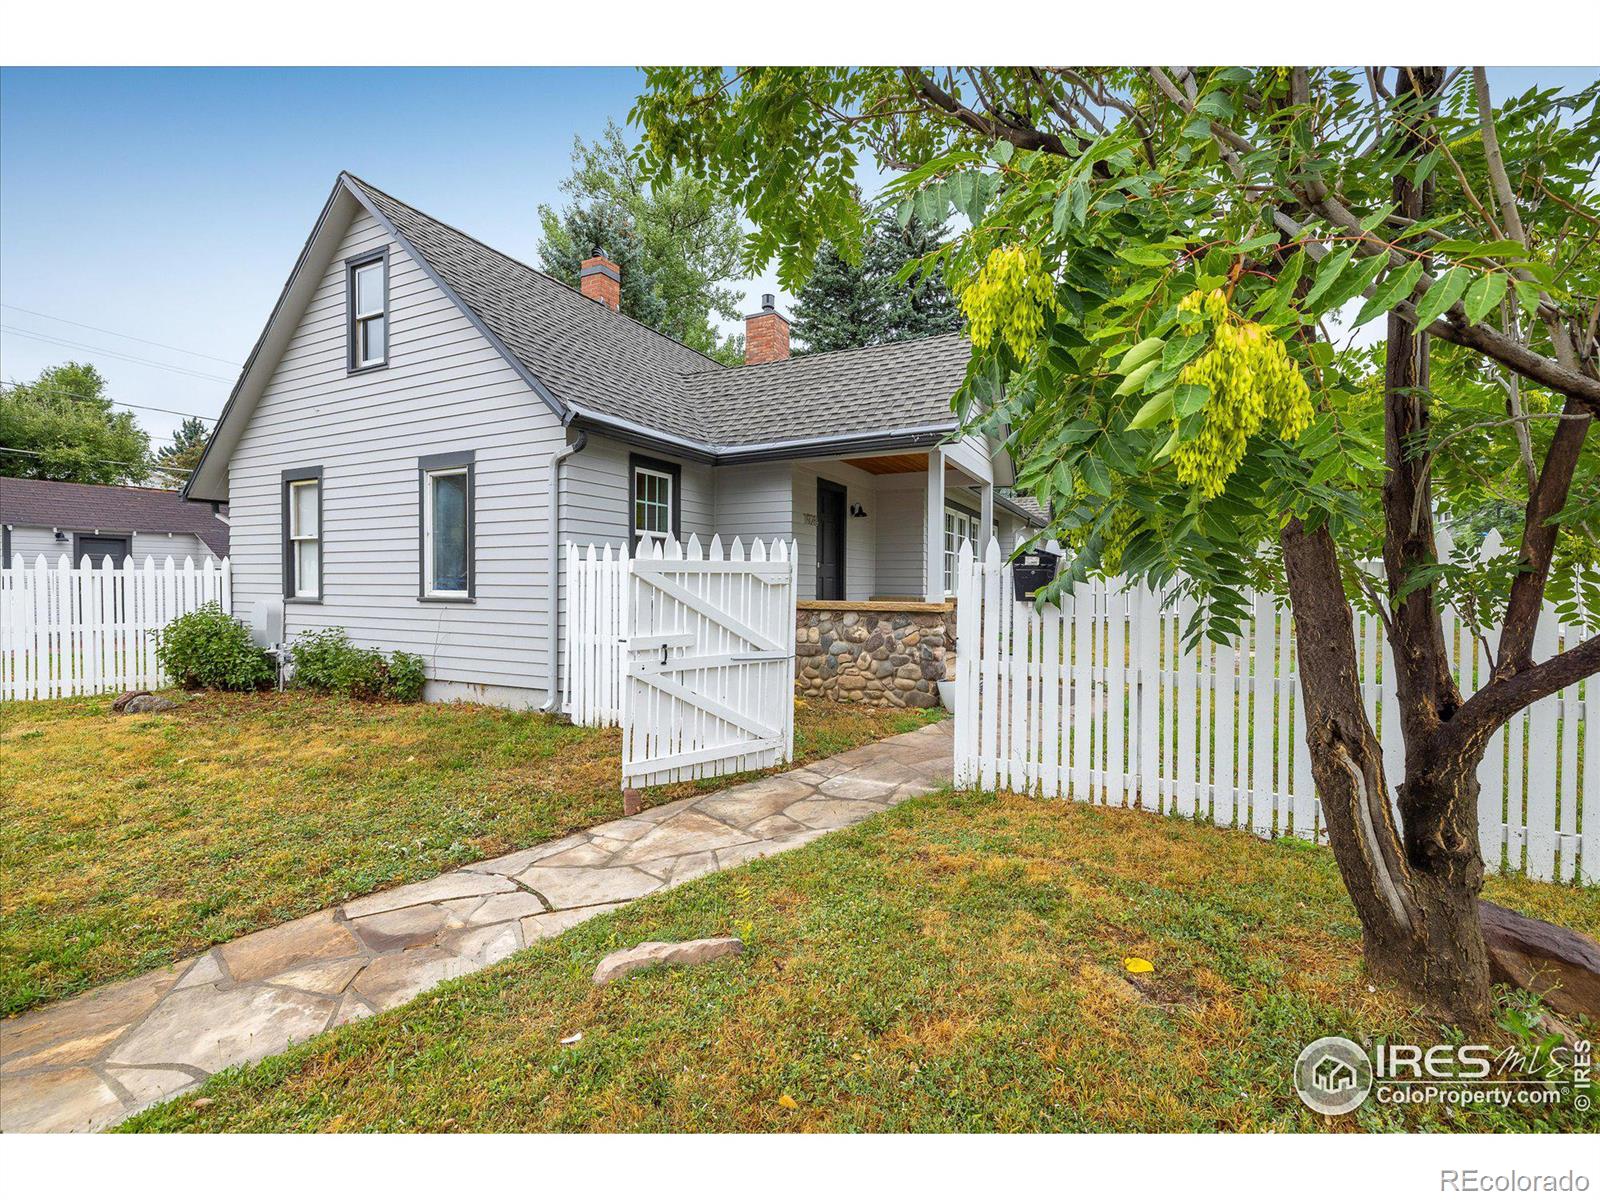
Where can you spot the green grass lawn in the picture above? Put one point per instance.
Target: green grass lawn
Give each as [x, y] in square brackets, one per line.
[129, 842]
[953, 964]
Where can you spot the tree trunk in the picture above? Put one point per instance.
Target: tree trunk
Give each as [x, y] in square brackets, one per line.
[1417, 900]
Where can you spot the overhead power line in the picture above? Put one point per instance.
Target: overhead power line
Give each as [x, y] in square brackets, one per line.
[62, 392]
[132, 358]
[115, 333]
[110, 462]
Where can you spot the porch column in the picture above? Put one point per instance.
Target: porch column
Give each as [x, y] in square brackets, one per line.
[985, 516]
[933, 532]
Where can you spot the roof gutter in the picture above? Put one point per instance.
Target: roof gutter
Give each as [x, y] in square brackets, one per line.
[725, 455]
[553, 616]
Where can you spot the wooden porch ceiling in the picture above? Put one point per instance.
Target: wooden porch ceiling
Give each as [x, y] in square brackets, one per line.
[890, 464]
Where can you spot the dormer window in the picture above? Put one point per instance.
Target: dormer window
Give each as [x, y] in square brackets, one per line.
[367, 292]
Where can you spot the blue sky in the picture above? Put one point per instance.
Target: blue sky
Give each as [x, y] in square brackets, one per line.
[169, 204]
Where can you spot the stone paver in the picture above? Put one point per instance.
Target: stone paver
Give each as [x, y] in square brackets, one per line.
[89, 1062]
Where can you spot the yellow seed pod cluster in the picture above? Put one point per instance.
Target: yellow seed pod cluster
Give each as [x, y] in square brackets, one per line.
[1118, 533]
[1007, 299]
[1252, 380]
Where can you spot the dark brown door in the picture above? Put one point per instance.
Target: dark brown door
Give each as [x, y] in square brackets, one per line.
[830, 540]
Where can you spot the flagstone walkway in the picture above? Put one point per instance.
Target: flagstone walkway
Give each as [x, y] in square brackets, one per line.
[87, 1063]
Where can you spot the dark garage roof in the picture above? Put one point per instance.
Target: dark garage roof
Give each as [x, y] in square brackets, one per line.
[82, 507]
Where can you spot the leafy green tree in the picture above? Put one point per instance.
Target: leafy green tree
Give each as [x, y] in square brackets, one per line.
[180, 456]
[878, 294]
[675, 239]
[1157, 264]
[62, 427]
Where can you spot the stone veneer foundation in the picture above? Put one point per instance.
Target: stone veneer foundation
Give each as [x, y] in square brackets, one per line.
[882, 652]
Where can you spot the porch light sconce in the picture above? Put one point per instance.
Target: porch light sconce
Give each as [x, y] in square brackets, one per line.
[857, 510]
[60, 537]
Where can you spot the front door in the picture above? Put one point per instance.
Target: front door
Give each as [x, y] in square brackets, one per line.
[830, 540]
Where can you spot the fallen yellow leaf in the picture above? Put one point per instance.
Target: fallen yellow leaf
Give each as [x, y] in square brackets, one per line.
[1138, 966]
[787, 1101]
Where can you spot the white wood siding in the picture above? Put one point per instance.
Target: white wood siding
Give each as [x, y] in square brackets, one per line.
[445, 389]
[594, 494]
[28, 542]
[756, 500]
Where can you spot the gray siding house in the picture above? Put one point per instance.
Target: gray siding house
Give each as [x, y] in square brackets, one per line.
[79, 520]
[425, 421]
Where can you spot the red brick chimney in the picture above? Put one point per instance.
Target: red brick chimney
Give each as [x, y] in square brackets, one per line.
[601, 279]
[766, 334]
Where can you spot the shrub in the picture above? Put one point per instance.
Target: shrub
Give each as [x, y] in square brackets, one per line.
[327, 661]
[406, 677]
[208, 648]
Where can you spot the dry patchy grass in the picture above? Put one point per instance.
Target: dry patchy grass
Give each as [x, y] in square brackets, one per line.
[954, 964]
[129, 842]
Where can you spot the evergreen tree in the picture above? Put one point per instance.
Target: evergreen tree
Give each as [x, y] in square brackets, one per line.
[180, 456]
[845, 304]
[676, 242]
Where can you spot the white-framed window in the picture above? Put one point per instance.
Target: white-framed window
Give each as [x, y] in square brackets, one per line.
[654, 501]
[959, 526]
[369, 316]
[303, 565]
[447, 532]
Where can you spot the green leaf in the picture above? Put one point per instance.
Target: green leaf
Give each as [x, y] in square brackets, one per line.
[1135, 379]
[1079, 193]
[1166, 450]
[1328, 272]
[1442, 295]
[1424, 168]
[1485, 294]
[1095, 476]
[1355, 281]
[1397, 286]
[903, 211]
[1461, 248]
[1146, 256]
[1153, 410]
[1060, 214]
[1139, 354]
[1528, 297]
[1191, 398]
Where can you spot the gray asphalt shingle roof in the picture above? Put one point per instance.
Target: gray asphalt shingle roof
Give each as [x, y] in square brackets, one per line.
[901, 385]
[594, 359]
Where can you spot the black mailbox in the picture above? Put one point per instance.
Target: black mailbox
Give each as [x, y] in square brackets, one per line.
[1032, 571]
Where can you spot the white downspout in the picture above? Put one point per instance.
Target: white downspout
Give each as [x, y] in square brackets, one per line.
[553, 641]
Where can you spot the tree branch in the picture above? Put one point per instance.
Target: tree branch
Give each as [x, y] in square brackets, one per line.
[1507, 695]
[1539, 539]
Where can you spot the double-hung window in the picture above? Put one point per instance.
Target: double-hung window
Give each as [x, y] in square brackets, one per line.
[959, 526]
[655, 499]
[368, 298]
[446, 482]
[302, 534]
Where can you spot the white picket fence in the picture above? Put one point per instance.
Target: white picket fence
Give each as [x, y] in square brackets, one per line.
[79, 630]
[1100, 700]
[593, 655]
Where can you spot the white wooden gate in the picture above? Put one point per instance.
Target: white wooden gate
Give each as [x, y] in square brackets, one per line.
[709, 671]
